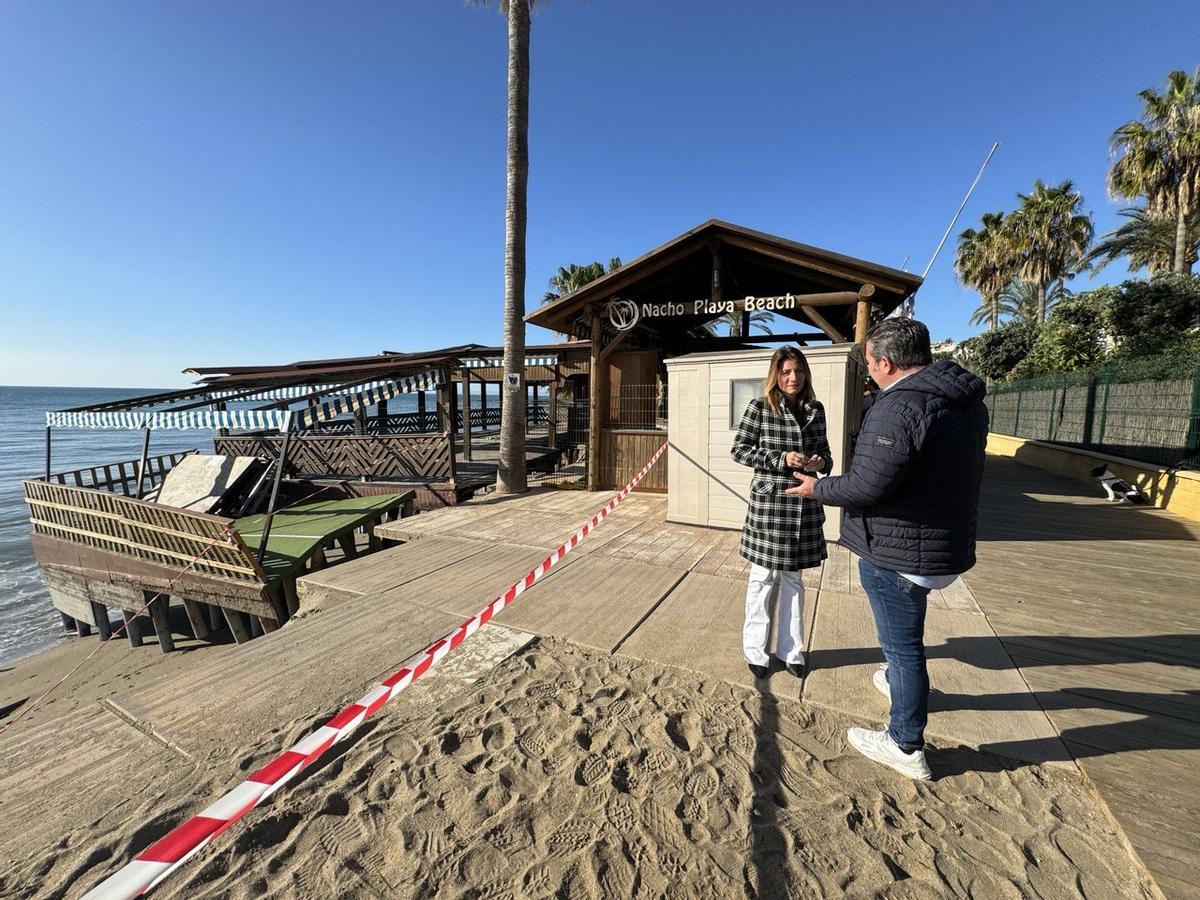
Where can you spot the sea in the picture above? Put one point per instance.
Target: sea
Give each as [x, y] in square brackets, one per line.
[28, 623]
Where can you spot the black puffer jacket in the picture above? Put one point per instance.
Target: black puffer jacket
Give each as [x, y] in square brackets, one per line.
[912, 493]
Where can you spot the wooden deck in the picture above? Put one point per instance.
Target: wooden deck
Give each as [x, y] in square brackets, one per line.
[1096, 604]
[1073, 643]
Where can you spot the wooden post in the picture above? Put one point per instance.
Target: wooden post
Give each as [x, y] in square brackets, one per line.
[67, 622]
[162, 627]
[421, 411]
[445, 420]
[381, 414]
[598, 390]
[466, 414]
[100, 614]
[237, 625]
[862, 318]
[141, 476]
[133, 628]
[196, 619]
[47, 454]
[280, 464]
[290, 596]
[552, 413]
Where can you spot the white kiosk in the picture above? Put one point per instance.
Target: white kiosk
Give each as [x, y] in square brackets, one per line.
[709, 393]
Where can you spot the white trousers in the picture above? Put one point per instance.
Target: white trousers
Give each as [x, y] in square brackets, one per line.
[788, 591]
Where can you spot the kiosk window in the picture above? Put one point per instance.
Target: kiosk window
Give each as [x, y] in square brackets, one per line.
[741, 392]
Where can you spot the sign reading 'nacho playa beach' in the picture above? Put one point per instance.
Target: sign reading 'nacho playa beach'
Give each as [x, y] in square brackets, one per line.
[624, 314]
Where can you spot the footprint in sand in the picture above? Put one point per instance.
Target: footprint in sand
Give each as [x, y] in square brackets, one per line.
[702, 782]
[623, 813]
[658, 762]
[684, 730]
[571, 838]
[593, 770]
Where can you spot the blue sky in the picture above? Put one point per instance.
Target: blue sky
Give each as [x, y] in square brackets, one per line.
[228, 183]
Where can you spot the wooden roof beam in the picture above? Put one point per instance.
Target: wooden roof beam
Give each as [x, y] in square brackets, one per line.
[797, 259]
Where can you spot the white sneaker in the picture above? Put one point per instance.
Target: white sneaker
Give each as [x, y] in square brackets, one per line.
[879, 679]
[879, 746]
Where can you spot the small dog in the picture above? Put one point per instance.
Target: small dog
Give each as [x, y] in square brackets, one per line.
[1116, 489]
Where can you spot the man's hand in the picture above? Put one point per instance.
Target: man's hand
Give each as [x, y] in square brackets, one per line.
[804, 488]
[794, 459]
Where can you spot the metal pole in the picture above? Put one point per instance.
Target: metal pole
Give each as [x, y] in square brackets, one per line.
[142, 461]
[280, 464]
[47, 453]
[911, 303]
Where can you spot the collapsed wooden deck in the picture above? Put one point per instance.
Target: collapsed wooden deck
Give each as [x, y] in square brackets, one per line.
[99, 550]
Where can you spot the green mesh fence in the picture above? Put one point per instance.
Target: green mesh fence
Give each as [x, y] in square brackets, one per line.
[1143, 409]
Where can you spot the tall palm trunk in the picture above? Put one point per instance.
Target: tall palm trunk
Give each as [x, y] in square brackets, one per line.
[1182, 264]
[511, 475]
[1042, 302]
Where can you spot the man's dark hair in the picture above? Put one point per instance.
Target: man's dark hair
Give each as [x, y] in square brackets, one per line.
[904, 341]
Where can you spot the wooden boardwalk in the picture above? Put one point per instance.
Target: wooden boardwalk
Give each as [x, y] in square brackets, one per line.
[1073, 643]
[1097, 604]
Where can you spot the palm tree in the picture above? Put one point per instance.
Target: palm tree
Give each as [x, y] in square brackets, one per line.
[1160, 157]
[1021, 299]
[985, 262]
[1146, 241]
[511, 475]
[572, 277]
[1050, 234]
[760, 317]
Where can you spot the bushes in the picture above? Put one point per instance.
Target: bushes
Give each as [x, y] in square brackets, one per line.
[994, 354]
[1133, 320]
[1151, 317]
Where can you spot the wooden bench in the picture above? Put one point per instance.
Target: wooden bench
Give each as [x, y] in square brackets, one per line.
[99, 550]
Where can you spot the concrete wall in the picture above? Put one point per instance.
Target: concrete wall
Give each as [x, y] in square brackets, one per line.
[706, 487]
[1172, 490]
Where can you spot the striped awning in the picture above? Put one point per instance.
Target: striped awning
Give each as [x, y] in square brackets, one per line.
[360, 399]
[497, 362]
[234, 419]
[353, 400]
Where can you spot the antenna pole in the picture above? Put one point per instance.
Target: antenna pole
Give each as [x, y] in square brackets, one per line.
[911, 302]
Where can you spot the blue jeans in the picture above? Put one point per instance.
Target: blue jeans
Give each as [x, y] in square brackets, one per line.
[899, 609]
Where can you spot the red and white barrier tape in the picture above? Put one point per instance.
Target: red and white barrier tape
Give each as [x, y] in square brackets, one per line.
[159, 860]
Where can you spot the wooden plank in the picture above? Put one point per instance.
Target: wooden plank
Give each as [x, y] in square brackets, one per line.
[835, 575]
[966, 678]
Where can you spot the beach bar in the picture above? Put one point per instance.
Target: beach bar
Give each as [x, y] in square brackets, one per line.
[673, 357]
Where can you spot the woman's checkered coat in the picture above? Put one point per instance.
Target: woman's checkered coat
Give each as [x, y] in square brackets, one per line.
[781, 531]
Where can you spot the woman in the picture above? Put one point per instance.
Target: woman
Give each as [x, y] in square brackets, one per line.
[780, 432]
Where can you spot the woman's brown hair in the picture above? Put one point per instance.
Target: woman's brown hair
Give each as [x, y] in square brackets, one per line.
[772, 395]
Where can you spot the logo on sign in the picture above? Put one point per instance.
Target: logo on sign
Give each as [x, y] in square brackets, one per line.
[623, 314]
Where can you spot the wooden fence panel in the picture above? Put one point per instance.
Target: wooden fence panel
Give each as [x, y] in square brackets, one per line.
[623, 452]
[145, 531]
[419, 456]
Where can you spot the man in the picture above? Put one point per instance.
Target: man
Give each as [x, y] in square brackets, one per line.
[910, 497]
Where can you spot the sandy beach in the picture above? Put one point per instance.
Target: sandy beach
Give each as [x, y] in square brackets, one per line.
[571, 773]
